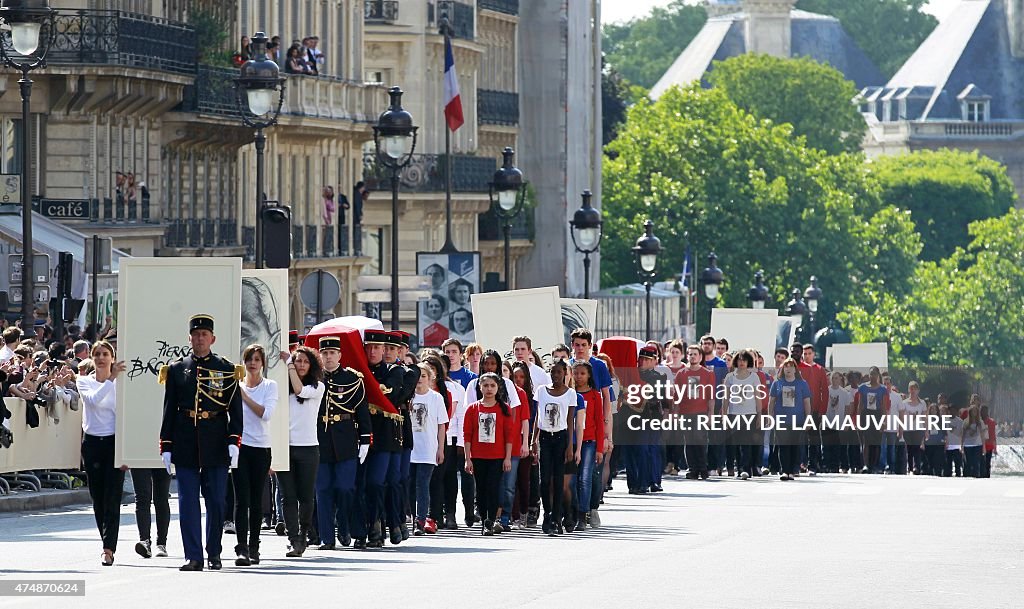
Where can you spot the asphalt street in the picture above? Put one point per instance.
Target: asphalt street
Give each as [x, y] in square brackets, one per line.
[829, 541]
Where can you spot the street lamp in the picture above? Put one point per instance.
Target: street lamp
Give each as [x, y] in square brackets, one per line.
[796, 307]
[260, 78]
[26, 19]
[758, 294]
[394, 138]
[645, 252]
[812, 295]
[587, 223]
[508, 194]
[712, 277]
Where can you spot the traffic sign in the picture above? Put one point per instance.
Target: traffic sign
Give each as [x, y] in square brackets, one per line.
[105, 248]
[40, 268]
[10, 188]
[320, 291]
[40, 294]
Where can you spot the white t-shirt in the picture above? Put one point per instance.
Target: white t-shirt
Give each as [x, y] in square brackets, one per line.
[99, 417]
[459, 407]
[473, 396]
[256, 430]
[838, 401]
[912, 409]
[6, 353]
[741, 399]
[427, 412]
[539, 376]
[552, 411]
[302, 416]
[895, 409]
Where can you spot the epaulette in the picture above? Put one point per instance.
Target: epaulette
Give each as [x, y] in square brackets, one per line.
[354, 371]
[239, 372]
[162, 377]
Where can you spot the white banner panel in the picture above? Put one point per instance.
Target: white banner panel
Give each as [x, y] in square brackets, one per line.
[747, 328]
[156, 298]
[860, 356]
[265, 321]
[49, 446]
[501, 316]
[578, 313]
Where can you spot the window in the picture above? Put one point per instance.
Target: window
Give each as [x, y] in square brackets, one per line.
[976, 111]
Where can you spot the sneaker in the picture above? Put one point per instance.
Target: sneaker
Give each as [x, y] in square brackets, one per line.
[532, 518]
[497, 527]
[242, 559]
[506, 526]
[418, 529]
[430, 526]
[744, 476]
[865, 470]
[764, 471]
[295, 551]
[785, 477]
[326, 546]
[595, 519]
[731, 472]
[144, 549]
[812, 472]
[704, 475]
[487, 528]
[451, 524]
[229, 527]
[403, 531]
[279, 528]
[161, 551]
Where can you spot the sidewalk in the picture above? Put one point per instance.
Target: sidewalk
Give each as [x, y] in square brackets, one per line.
[46, 499]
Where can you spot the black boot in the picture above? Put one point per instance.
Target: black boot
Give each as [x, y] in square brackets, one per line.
[242, 556]
[192, 565]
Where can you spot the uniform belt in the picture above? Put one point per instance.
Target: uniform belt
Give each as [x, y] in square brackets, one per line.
[203, 414]
[334, 418]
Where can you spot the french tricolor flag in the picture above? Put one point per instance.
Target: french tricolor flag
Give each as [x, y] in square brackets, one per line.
[452, 101]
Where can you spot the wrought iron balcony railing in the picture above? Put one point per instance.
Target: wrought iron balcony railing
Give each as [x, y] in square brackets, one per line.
[461, 17]
[426, 173]
[212, 92]
[497, 107]
[492, 228]
[124, 39]
[380, 11]
[509, 7]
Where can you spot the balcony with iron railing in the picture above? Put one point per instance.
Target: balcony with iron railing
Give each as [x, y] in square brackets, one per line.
[497, 107]
[426, 173]
[380, 11]
[492, 228]
[461, 17]
[99, 37]
[509, 7]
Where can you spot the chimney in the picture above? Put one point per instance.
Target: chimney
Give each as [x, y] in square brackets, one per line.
[1015, 23]
[769, 26]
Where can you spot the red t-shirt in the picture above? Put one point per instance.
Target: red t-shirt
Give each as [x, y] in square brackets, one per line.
[594, 418]
[817, 382]
[990, 442]
[519, 414]
[487, 430]
[698, 388]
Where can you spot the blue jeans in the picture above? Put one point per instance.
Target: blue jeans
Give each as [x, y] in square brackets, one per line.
[508, 490]
[585, 477]
[888, 452]
[421, 473]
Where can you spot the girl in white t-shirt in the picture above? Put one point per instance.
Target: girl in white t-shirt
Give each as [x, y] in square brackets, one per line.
[556, 407]
[838, 442]
[429, 417]
[743, 395]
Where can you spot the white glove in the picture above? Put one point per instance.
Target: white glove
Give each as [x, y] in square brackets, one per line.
[233, 453]
[364, 449]
[166, 456]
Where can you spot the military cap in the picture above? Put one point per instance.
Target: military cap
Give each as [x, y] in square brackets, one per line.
[200, 322]
[330, 342]
[650, 352]
[371, 337]
[293, 337]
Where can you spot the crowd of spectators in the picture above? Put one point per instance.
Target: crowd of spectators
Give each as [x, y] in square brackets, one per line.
[302, 57]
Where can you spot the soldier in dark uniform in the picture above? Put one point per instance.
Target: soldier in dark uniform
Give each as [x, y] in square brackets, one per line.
[395, 350]
[200, 435]
[343, 430]
[653, 409]
[383, 465]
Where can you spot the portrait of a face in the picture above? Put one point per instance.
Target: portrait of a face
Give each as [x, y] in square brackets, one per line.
[461, 321]
[260, 323]
[460, 292]
[434, 308]
[437, 276]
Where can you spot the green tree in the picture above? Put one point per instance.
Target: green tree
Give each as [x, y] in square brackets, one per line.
[945, 191]
[642, 49]
[813, 97]
[966, 310]
[211, 37]
[889, 31]
[697, 164]
[614, 101]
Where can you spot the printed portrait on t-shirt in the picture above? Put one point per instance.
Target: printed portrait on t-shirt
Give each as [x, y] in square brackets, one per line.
[487, 427]
[789, 397]
[872, 401]
[833, 403]
[419, 416]
[551, 415]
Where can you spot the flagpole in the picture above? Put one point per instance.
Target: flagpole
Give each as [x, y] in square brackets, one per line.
[449, 245]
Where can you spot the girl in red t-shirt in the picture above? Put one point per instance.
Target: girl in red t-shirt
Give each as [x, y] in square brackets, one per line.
[488, 430]
[588, 480]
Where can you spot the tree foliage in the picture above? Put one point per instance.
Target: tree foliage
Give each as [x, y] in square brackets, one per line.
[709, 173]
[642, 49]
[813, 97]
[945, 191]
[966, 310]
[889, 31]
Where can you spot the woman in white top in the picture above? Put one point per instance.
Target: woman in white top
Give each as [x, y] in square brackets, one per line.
[453, 469]
[744, 391]
[556, 407]
[298, 484]
[914, 406]
[99, 421]
[259, 400]
[492, 362]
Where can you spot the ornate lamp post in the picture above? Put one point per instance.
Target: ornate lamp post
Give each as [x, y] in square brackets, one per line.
[812, 295]
[712, 277]
[758, 294]
[30, 42]
[586, 231]
[646, 253]
[797, 308]
[508, 195]
[394, 138]
[260, 78]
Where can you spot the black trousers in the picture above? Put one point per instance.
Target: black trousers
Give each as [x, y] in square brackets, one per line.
[552, 470]
[250, 482]
[298, 487]
[456, 469]
[106, 483]
[789, 442]
[696, 446]
[152, 487]
[488, 486]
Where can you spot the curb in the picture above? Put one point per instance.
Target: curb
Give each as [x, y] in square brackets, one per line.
[31, 502]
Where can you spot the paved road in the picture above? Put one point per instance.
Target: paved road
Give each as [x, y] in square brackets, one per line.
[830, 541]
